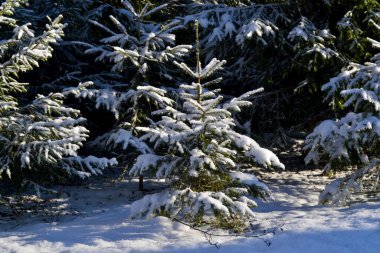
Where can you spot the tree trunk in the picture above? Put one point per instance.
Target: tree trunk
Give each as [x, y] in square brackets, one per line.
[141, 183]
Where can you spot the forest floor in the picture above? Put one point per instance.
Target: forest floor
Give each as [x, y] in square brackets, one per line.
[95, 218]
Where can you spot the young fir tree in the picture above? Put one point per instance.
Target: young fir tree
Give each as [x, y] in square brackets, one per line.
[139, 50]
[198, 151]
[39, 140]
[354, 139]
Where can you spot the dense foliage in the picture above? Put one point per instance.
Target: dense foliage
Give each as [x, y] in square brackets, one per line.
[40, 139]
[353, 139]
[113, 79]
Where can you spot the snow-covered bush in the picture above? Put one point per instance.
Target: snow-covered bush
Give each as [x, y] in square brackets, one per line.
[198, 151]
[38, 140]
[354, 139]
[364, 178]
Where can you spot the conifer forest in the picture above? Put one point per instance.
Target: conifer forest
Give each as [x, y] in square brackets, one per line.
[190, 126]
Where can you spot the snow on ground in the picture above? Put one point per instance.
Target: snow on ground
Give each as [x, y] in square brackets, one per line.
[95, 219]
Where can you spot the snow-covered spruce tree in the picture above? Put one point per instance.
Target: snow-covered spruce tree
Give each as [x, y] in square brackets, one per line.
[138, 50]
[354, 30]
[70, 58]
[198, 151]
[38, 140]
[353, 140]
[74, 65]
[315, 52]
[235, 29]
[139, 47]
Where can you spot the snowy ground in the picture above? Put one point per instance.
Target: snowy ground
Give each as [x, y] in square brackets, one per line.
[95, 219]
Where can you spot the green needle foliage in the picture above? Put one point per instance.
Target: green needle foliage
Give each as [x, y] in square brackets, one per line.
[198, 151]
[39, 141]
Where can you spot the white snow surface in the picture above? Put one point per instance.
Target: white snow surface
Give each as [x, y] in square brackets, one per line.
[95, 218]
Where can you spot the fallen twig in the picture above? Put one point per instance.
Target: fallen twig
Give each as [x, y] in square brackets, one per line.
[209, 235]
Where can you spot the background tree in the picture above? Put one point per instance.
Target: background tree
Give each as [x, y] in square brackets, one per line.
[352, 141]
[39, 140]
[141, 52]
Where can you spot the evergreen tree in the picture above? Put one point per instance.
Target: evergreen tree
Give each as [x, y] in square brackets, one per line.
[235, 30]
[38, 140]
[315, 49]
[73, 65]
[139, 50]
[201, 155]
[352, 140]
